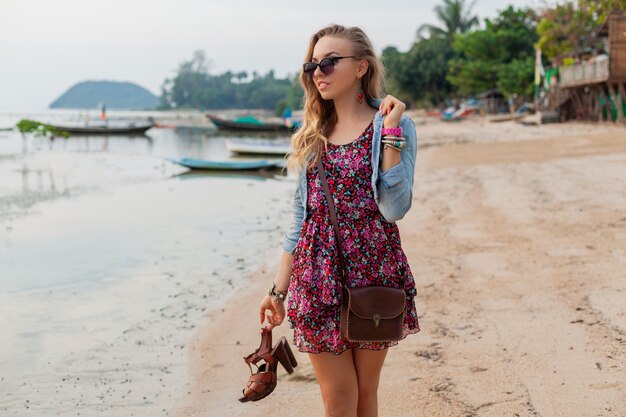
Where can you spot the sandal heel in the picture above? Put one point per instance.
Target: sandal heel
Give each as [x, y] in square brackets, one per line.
[292, 358]
[282, 352]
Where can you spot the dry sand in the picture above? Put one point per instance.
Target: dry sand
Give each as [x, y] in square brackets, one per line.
[517, 240]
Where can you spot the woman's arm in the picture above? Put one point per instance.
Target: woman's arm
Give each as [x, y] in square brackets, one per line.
[277, 312]
[290, 239]
[395, 189]
[284, 272]
[283, 277]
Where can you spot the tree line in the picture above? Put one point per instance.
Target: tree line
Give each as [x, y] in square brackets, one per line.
[456, 58]
[193, 87]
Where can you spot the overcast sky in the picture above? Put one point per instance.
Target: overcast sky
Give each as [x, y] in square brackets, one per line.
[46, 46]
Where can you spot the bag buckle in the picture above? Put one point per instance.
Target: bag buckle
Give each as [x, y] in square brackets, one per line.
[376, 318]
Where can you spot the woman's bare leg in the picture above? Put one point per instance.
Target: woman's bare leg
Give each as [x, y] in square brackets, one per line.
[368, 365]
[338, 382]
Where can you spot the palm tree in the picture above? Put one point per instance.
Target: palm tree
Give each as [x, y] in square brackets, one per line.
[455, 19]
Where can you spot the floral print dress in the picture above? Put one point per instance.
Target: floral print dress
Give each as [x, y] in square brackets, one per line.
[371, 249]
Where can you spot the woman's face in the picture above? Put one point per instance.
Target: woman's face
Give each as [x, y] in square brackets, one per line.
[344, 79]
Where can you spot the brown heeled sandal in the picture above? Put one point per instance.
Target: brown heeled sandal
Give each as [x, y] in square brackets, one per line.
[262, 383]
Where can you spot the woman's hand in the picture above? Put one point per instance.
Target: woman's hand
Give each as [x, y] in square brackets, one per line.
[393, 108]
[277, 312]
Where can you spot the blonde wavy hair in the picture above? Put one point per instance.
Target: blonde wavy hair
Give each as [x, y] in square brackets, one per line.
[319, 114]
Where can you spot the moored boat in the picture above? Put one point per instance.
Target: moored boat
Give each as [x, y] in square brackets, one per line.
[105, 129]
[248, 125]
[232, 165]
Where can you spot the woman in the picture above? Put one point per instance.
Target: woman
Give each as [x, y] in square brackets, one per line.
[371, 183]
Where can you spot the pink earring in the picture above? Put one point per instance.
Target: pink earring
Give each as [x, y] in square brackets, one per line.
[360, 96]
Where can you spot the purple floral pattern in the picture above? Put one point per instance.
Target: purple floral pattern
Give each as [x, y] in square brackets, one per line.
[371, 246]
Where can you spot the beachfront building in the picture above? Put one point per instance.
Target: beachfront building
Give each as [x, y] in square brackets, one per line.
[590, 83]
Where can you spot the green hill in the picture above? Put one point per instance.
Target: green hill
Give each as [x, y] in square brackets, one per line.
[113, 94]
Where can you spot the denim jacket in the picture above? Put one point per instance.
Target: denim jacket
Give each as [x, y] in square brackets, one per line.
[393, 189]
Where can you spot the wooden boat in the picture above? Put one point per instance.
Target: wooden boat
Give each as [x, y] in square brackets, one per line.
[258, 146]
[253, 175]
[128, 129]
[518, 115]
[459, 114]
[248, 126]
[232, 165]
[506, 117]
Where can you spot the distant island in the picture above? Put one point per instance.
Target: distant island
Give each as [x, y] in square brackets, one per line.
[113, 94]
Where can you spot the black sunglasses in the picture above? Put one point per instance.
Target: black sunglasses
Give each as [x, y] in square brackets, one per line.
[327, 65]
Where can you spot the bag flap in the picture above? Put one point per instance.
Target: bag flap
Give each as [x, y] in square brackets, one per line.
[388, 302]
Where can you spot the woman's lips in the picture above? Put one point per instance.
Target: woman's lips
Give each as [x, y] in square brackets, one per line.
[322, 85]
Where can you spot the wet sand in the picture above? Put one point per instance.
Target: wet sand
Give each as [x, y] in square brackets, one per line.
[517, 240]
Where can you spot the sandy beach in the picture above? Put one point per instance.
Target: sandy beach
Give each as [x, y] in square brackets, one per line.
[517, 240]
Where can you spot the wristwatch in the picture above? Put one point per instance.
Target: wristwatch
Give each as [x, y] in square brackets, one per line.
[279, 296]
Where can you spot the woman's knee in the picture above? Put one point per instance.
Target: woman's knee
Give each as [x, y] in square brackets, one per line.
[340, 401]
[368, 392]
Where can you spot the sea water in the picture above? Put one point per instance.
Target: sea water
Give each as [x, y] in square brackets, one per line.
[98, 234]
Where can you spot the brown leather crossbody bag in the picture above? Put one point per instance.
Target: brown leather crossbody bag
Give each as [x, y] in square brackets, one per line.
[372, 313]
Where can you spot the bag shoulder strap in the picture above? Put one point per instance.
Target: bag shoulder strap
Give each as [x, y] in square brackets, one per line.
[333, 216]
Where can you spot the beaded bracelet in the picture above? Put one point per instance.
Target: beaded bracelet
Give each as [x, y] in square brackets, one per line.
[392, 130]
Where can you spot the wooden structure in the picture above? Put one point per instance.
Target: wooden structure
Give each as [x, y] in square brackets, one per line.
[493, 101]
[593, 88]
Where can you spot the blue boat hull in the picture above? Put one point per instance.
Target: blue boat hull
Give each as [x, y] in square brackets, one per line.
[234, 165]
